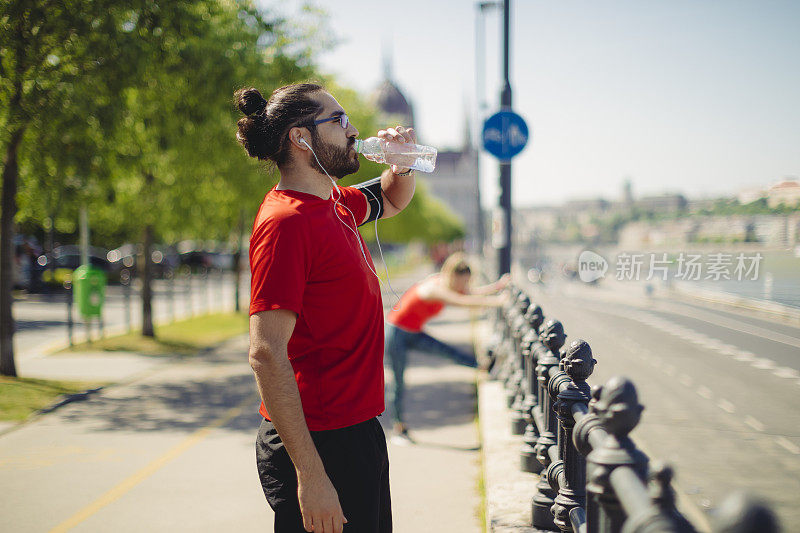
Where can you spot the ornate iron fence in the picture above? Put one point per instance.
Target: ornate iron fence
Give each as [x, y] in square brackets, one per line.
[592, 477]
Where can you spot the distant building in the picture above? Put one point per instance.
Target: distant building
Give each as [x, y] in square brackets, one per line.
[455, 180]
[786, 192]
[588, 205]
[748, 196]
[665, 203]
[627, 193]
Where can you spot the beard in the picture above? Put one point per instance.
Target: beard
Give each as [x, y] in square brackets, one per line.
[335, 159]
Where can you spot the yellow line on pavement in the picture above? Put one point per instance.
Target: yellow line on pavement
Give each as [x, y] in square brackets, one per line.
[122, 488]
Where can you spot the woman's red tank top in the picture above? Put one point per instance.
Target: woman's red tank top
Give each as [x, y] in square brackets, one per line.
[413, 312]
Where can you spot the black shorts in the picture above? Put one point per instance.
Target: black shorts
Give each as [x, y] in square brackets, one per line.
[357, 464]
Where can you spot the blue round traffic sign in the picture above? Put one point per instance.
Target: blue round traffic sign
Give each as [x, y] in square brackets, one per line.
[505, 134]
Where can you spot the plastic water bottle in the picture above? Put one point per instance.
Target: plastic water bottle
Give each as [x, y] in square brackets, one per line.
[404, 155]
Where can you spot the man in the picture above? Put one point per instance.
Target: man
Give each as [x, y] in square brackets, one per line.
[316, 317]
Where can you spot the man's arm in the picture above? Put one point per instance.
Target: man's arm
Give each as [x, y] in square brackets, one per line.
[269, 336]
[397, 190]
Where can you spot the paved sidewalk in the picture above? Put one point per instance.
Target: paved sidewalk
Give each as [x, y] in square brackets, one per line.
[171, 451]
[435, 481]
[170, 448]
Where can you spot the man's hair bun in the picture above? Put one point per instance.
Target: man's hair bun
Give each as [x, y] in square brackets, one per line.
[249, 101]
[263, 132]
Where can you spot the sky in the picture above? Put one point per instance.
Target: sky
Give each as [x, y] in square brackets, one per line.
[700, 97]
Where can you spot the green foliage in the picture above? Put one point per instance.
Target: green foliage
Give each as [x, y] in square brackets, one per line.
[128, 109]
[731, 206]
[425, 219]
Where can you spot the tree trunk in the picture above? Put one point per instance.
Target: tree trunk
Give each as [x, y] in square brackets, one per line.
[147, 285]
[237, 261]
[146, 267]
[7, 255]
[50, 247]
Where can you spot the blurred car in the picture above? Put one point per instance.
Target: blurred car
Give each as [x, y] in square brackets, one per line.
[57, 266]
[125, 257]
[199, 256]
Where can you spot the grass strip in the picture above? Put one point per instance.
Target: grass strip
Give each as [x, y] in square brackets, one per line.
[185, 337]
[20, 397]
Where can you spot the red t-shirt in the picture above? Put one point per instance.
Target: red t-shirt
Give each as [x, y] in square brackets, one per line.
[413, 312]
[304, 259]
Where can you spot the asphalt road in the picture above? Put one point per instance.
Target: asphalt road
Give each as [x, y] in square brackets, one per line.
[721, 389]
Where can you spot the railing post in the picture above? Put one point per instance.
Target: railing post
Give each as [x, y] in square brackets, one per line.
[580, 438]
[526, 339]
[578, 364]
[618, 411]
[70, 323]
[514, 381]
[663, 515]
[552, 339]
[529, 462]
[501, 367]
[744, 513]
[126, 279]
[169, 280]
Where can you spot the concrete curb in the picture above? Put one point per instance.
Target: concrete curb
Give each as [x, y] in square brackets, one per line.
[69, 398]
[8, 427]
[508, 489]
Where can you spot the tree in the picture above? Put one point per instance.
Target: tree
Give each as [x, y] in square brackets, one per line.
[45, 49]
[185, 173]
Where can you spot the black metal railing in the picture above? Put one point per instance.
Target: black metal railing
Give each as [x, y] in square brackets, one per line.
[592, 476]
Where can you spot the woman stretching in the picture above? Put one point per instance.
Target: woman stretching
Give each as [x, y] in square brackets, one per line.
[420, 303]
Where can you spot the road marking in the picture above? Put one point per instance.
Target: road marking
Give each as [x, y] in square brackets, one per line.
[792, 447]
[686, 380]
[740, 326]
[714, 344]
[753, 423]
[729, 350]
[785, 372]
[705, 392]
[725, 405]
[763, 363]
[710, 343]
[157, 464]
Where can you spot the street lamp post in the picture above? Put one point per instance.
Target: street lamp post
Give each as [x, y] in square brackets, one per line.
[480, 103]
[504, 252]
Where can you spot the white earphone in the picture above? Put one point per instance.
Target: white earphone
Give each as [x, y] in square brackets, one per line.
[303, 141]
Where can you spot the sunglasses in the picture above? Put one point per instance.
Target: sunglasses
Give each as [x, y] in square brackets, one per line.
[343, 119]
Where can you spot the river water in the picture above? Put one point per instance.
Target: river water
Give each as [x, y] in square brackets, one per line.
[778, 281]
[777, 278]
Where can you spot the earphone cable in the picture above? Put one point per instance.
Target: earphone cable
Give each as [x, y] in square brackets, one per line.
[355, 232]
[380, 249]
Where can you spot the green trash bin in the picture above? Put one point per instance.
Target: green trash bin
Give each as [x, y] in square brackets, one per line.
[89, 290]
